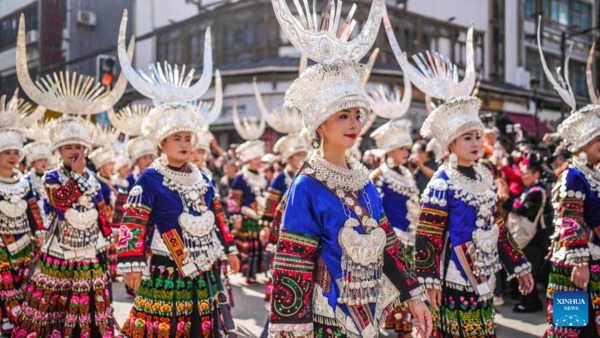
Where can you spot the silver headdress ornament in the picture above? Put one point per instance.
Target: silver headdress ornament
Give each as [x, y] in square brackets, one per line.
[15, 115]
[582, 125]
[102, 156]
[250, 129]
[388, 105]
[65, 92]
[205, 137]
[41, 147]
[334, 83]
[393, 135]
[72, 130]
[129, 119]
[437, 77]
[292, 144]
[171, 91]
[106, 136]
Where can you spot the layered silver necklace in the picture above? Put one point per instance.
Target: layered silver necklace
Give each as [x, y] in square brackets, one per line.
[256, 181]
[591, 173]
[362, 254]
[13, 207]
[404, 184]
[202, 246]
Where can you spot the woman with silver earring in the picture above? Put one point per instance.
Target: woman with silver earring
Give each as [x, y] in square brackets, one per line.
[461, 240]
[575, 244]
[339, 267]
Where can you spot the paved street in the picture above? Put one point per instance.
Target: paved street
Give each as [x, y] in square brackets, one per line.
[250, 313]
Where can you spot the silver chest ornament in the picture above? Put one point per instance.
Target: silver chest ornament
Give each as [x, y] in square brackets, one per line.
[81, 220]
[14, 208]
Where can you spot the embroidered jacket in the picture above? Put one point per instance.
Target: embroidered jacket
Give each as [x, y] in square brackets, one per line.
[39, 193]
[109, 194]
[400, 197]
[576, 200]
[20, 221]
[307, 270]
[152, 203]
[74, 237]
[122, 193]
[461, 239]
[243, 200]
[275, 197]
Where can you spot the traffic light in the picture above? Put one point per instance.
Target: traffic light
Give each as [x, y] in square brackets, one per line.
[105, 70]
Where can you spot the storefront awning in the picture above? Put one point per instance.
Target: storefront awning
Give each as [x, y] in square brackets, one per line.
[527, 123]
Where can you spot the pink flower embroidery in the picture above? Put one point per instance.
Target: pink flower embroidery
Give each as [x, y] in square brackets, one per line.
[124, 238]
[206, 325]
[595, 268]
[569, 228]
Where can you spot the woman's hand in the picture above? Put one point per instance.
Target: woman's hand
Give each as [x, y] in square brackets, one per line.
[580, 276]
[264, 236]
[133, 279]
[79, 163]
[422, 317]
[526, 283]
[435, 298]
[234, 264]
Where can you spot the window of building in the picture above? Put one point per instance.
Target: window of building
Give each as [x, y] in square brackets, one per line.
[581, 15]
[229, 38]
[9, 25]
[238, 37]
[249, 34]
[530, 8]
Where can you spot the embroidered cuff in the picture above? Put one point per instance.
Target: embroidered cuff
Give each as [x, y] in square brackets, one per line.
[520, 271]
[291, 330]
[123, 268]
[430, 283]
[419, 297]
[232, 250]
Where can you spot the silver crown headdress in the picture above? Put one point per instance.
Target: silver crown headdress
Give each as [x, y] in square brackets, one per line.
[41, 147]
[582, 125]
[171, 91]
[106, 136]
[205, 137]
[65, 92]
[129, 121]
[72, 130]
[102, 156]
[334, 83]
[292, 144]
[393, 135]
[15, 115]
[437, 77]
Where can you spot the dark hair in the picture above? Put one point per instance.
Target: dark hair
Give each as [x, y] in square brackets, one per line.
[535, 161]
[423, 149]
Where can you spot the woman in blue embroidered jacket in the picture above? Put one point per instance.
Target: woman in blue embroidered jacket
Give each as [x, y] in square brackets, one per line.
[575, 244]
[179, 289]
[243, 206]
[69, 291]
[339, 266]
[38, 154]
[400, 197]
[19, 215]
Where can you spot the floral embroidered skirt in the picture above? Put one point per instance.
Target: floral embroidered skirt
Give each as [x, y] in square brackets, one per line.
[250, 248]
[67, 299]
[560, 280]
[14, 270]
[462, 315]
[168, 305]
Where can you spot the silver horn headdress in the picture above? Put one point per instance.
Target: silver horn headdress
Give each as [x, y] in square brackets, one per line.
[41, 147]
[171, 91]
[582, 125]
[250, 129]
[129, 121]
[334, 83]
[437, 77]
[66, 92]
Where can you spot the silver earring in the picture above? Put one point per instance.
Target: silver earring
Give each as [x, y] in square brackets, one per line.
[583, 157]
[163, 157]
[453, 159]
[390, 162]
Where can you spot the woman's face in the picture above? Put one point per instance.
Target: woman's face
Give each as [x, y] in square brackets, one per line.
[399, 155]
[198, 157]
[144, 162]
[124, 171]
[467, 147]
[342, 129]
[529, 177]
[178, 147]
[592, 150]
[9, 159]
[40, 165]
[294, 160]
[69, 152]
[108, 169]
[254, 164]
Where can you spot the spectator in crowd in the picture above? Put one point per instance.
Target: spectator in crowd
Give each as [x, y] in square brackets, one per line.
[425, 164]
